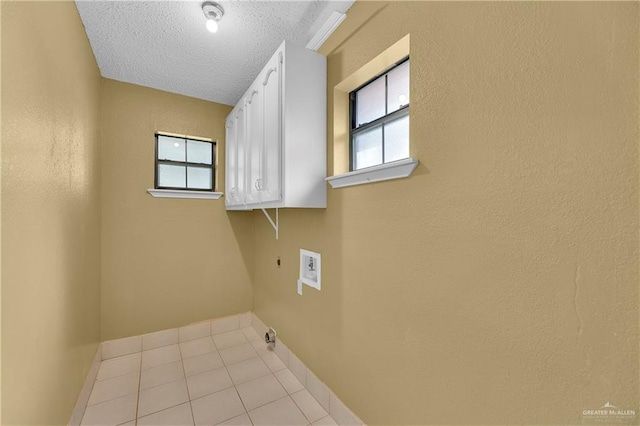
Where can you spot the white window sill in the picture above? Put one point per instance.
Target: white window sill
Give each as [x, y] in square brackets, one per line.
[395, 170]
[175, 193]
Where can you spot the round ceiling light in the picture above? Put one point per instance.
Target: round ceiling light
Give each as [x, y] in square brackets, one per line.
[213, 12]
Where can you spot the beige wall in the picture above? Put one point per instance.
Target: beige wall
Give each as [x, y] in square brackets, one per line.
[165, 262]
[499, 284]
[50, 211]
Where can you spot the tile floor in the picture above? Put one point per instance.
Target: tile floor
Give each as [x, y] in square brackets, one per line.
[225, 379]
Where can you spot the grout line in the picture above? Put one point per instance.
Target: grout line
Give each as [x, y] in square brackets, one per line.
[171, 406]
[163, 384]
[278, 381]
[114, 397]
[242, 402]
[109, 378]
[236, 386]
[93, 385]
[139, 383]
[164, 409]
[237, 393]
[117, 375]
[197, 355]
[314, 398]
[184, 372]
[300, 408]
[257, 377]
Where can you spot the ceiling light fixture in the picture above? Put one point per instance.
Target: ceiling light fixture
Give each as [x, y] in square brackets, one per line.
[213, 12]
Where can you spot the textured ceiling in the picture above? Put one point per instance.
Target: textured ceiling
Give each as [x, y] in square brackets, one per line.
[165, 45]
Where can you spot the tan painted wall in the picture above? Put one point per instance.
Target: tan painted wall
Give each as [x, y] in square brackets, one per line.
[499, 284]
[166, 262]
[50, 211]
[0, 218]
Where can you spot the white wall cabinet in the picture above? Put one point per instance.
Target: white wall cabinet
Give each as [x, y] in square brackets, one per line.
[276, 135]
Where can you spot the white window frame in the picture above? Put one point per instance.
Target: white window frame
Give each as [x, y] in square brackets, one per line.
[357, 128]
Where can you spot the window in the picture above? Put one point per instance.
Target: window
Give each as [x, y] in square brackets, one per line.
[184, 163]
[379, 115]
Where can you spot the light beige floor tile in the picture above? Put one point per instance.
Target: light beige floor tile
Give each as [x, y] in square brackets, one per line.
[115, 387]
[251, 334]
[131, 423]
[261, 347]
[258, 345]
[325, 421]
[119, 366]
[197, 347]
[113, 412]
[161, 397]
[165, 373]
[208, 382]
[273, 362]
[179, 415]
[311, 408]
[261, 378]
[200, 364]
[159, 356]
[260, 391]
[237, 353]
[282, 412]
[217, 407]
[248, 370]
[288, 381]
[229, 339]
[242, 420]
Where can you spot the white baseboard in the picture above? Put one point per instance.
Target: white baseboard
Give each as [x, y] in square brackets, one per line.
[320, 391]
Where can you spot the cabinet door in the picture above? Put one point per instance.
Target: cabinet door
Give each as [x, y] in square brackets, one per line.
[272, 106]
[241, 147]
[231, 164]
[254, 143]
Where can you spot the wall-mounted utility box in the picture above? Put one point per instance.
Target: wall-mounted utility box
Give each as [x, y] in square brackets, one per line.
[310, 270]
